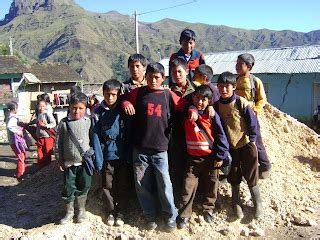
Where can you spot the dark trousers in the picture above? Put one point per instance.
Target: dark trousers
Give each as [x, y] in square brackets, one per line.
[196, 167]
[244, 163]
[77, 182]
[116, 185]
[262, 154]
[177, 161]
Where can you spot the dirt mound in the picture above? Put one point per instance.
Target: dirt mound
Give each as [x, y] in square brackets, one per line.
[290, 197]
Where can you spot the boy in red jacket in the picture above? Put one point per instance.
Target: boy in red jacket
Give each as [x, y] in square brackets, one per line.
[207, 147]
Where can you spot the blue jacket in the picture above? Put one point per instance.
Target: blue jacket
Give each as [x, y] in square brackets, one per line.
[110, 134]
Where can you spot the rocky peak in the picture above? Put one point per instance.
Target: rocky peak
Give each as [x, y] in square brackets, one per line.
[21, 7]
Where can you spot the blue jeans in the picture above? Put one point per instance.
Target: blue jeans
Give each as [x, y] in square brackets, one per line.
[152, 181]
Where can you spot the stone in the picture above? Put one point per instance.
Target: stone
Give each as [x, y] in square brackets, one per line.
[245, 232]
[258, 232]
[311, 223]
[122, 237]
[225, 231]
[310, 209]
[298, 220]
[185, 238]
[286, 129]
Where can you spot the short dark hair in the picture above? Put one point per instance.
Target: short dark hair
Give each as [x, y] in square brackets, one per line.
[247, 58]
[78, 97]
[155, 68]
[187, 35]
[44, 97]
[205, 70]
[111, 84]
[74, 89]
[227, 77]
[179, 62]
[137, 57]
[203, 91]
[12, 105]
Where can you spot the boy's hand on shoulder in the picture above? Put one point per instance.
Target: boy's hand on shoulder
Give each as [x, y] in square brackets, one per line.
[217, 164]
[210, 111]
[129, 109]
[61, 168]
[193, 116]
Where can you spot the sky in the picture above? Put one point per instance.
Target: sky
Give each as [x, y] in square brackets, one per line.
[301, 16]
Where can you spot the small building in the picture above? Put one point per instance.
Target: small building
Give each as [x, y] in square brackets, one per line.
[49, 77]
[291, 76]
[11, 72]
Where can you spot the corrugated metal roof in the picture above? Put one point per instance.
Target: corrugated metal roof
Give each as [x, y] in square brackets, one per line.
[301, 59]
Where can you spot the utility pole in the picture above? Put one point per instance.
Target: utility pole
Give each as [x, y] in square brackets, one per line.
[137, 30]
[137, 24]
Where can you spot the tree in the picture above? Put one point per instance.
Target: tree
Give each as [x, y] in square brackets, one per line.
[4, 49]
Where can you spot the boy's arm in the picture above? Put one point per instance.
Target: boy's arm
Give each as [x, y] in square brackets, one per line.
[221, 144]
[201, 59]
[128, 101]
[96, 144]
[52, 121]
[261, 97]
[251, 121]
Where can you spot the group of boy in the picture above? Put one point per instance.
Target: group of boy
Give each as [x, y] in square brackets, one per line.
[132, 130]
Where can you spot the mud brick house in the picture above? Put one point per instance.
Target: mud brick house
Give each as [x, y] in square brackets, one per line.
[11, 72]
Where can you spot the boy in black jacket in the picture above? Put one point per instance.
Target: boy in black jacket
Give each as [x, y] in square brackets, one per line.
[110, 141]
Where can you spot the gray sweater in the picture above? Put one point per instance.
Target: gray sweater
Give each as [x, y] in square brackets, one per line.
[65, 150]
[48, 119]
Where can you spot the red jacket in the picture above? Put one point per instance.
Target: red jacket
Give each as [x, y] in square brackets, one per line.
[197, 144]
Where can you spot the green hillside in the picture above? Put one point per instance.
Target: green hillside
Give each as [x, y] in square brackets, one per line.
[61, 31]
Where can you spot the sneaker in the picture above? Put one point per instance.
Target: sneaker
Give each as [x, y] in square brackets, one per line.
[119, 220]
[110, 220]
[171, 225]
[183, 222]
[208, 217]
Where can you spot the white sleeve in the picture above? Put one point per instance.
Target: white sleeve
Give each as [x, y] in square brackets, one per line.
[12, 125]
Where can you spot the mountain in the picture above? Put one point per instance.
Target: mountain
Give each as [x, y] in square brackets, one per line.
[62, 31]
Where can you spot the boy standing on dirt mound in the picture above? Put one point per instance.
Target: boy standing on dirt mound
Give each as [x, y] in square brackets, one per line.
[77, 181]
[111, 145]
[240, 125]
[152, 106]
[251, 88]
[207, 147]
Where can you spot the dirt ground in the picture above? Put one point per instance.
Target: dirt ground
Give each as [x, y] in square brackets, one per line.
[291, 197]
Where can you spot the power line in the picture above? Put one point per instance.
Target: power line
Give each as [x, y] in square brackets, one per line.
[161, 9]
[136, 14]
